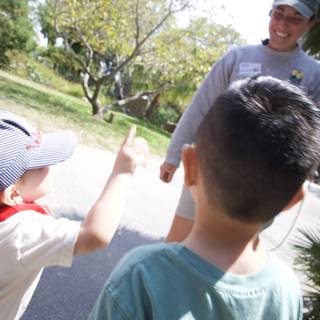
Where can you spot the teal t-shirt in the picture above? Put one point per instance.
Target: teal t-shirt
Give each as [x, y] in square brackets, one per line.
[170, 282]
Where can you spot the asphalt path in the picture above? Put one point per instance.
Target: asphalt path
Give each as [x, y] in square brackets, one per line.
[69, 293]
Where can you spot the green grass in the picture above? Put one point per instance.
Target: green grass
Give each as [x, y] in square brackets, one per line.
[27, 67]
[52, 110]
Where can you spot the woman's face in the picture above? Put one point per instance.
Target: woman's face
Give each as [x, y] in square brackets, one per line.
[286, 26]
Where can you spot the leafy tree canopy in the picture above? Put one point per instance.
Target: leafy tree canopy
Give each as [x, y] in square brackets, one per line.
[16, 32]
[183, 56]
[137, 42]
[312, 40]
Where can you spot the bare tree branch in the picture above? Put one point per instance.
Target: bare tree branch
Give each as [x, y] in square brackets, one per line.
[122, 102]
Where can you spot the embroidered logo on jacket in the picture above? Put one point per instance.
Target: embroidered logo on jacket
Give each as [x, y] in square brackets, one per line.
[296, 76]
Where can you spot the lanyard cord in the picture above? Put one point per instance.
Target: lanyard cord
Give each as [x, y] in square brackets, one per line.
[292, 224]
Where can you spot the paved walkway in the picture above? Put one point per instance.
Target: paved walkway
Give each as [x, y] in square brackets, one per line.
[70, 293]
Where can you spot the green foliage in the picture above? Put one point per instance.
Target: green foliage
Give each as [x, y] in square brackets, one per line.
[311, 41]
[23, 65]
[181, 58]
[100, 23]
[106, 32]
[16, 32]
[62, 62]
[26, 67]
[163, 115]
[307, 245]
[129, 36]
[46, 22]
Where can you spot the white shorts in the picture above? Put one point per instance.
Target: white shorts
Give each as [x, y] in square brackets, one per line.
[186, 205]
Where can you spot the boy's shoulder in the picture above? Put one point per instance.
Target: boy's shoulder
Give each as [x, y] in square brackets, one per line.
[145, 262]
[175, 260]
[26, 230]
[146, 277]
[141, 255]
[29, 227]
[27, 238]
[153, 257]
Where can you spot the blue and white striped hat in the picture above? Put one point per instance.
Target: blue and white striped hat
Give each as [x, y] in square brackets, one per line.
[23, 148]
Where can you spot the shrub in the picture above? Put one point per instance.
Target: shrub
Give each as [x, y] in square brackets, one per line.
[164, 114]
[307, 246]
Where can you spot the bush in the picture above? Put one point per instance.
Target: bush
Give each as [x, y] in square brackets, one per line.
[35, 69]
[16, 31]
[164, 114]
[56, 58]
[307, 261]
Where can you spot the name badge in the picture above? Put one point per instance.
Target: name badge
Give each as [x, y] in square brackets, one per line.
[248, 69]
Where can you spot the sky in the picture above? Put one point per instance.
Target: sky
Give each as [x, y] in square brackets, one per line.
[249, 17]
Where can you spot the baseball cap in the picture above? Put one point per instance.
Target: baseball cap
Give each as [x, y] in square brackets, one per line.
[23, 148]
[306, 8]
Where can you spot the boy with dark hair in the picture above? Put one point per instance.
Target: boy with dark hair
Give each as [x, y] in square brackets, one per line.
[280, 56]
[31, 239]
[254, 150]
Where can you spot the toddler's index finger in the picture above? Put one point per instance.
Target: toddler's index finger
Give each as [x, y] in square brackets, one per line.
[130, 135]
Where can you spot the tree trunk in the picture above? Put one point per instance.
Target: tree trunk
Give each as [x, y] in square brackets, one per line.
[92, 98]
[153, 106]
[95, 103]
[96, 108]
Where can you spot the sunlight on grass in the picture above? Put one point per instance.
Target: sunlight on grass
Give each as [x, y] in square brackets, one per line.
[51, 110]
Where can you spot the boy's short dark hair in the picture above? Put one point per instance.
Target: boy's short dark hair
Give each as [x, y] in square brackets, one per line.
[256, 146]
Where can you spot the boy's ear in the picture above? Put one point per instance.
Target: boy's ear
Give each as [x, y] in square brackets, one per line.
[189, 160]
[300, 194]
[11, 196]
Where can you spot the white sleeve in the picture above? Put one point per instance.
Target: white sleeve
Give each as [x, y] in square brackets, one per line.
[216, 82]
[43, 241]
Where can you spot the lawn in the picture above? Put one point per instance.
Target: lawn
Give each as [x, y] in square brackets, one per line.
[49, 109]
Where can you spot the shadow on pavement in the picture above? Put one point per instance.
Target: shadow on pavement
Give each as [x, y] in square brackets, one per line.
[69, 293]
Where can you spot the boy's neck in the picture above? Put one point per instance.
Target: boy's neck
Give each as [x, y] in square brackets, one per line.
[228, 244]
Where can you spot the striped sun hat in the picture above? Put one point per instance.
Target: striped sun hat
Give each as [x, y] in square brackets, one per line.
[24, 148]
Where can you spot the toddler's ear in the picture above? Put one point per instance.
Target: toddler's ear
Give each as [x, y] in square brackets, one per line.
[189, 159]
[11, 196]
